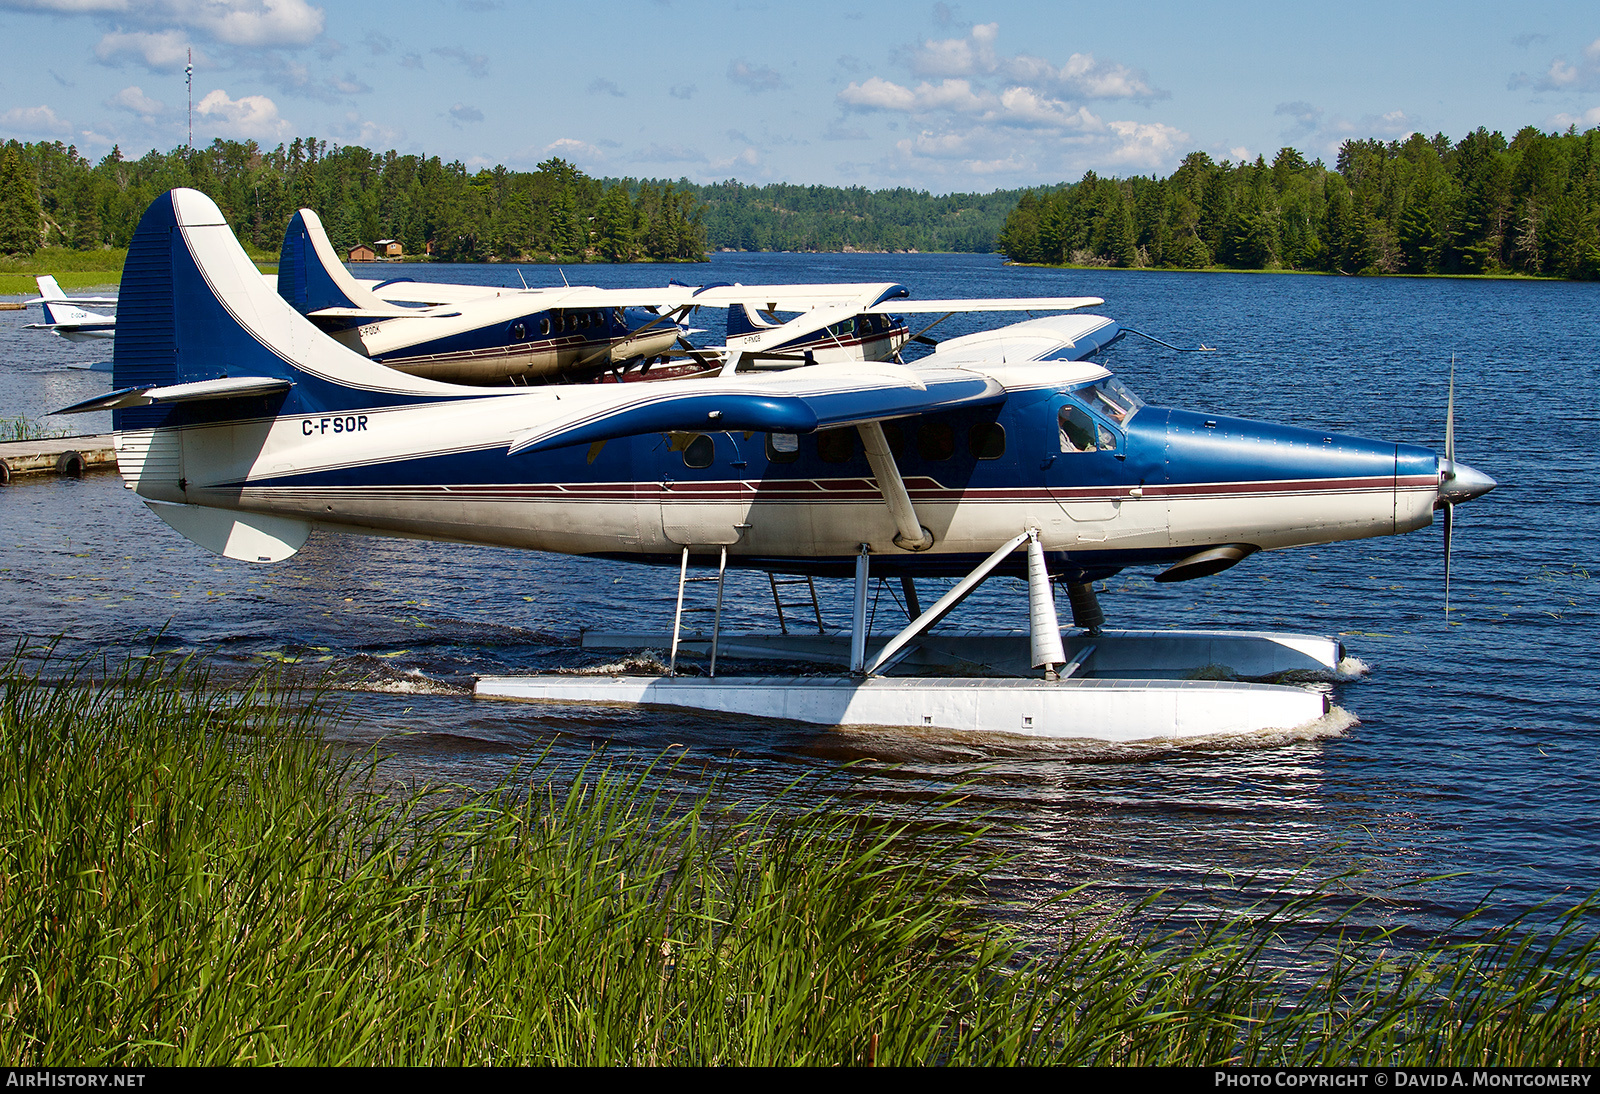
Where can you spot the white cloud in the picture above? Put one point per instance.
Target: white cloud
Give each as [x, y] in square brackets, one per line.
[232, 22]
[249, 117]
[1587, 120]
[970, 56]
[1023, 106]
[570, 148]
[1083, 76]
[878, 94]
[135, 101]
[747, 158]
[159, 51]
[1565, 76]
[33, 121]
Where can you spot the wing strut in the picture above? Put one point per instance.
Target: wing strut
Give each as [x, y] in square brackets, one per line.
[912, 535]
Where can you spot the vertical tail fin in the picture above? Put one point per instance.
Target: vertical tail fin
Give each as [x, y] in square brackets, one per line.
[310, 275]
[194, 307]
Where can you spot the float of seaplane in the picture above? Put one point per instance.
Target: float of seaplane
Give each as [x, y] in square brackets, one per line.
[245, 427]
[65, 317]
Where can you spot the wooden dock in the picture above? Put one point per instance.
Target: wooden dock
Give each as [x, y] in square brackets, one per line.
[71, 457]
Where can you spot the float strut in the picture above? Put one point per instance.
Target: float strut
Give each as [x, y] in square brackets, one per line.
[1086, 611]
[1042, 622]
[900, 644]
[716, 619]
[677, 616]
[909, 587]
[858, 616]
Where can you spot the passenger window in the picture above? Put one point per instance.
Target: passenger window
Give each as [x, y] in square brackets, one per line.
[544, 327]
[518, 332]
[896, 438]
[836, 445]
[1081, 433]
[936, 441]
[699, 452]
[783, 447]
[987, 440]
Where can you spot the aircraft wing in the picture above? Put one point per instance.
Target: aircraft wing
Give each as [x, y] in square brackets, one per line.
[801, 400]
[1040, 303]
[561, 296]
[382, 313]
[797, 297]
[406, 291]
[1074, 337]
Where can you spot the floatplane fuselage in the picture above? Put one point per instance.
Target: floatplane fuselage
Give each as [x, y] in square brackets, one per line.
[246, 428]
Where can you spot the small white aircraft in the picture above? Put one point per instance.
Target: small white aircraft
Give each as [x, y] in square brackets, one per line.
[470, 334]
[64, 317]
[245, 428]
[844, 323]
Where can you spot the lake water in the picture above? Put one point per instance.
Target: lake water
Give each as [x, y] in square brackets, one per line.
[1468, 775]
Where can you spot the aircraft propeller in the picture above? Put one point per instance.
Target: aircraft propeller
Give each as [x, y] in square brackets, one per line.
[1457, 481]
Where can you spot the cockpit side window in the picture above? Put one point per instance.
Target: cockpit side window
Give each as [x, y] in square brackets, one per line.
[1110, 397]
[1080, 432]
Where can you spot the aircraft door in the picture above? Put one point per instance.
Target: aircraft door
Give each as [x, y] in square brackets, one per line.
[705, 498]
[1082, 461]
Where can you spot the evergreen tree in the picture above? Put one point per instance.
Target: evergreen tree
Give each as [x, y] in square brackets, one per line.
[20, 214]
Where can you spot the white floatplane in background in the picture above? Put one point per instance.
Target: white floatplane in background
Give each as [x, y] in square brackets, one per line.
[245, 427]
[64, 316]
[469, 334]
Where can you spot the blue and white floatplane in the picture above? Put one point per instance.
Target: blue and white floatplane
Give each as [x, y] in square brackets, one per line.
[245, 427]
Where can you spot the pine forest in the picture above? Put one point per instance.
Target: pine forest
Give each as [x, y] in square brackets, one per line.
[1426, 205]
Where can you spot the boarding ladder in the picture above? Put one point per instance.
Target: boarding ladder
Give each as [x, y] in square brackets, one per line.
[808, 599]
[684, 581]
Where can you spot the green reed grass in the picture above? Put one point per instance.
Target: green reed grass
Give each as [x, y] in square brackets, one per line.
[188, 875]
[25, 429]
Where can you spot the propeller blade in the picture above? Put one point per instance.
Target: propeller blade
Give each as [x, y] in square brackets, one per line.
[1450, 417]
[1449, 532]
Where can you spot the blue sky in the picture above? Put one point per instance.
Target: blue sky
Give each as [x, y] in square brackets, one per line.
[939, 96]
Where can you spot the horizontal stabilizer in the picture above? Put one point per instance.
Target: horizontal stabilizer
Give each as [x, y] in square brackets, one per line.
[801, 400]
[229, 387]
[247, 537]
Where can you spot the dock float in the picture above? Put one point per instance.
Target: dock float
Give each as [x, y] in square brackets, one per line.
[70, 457]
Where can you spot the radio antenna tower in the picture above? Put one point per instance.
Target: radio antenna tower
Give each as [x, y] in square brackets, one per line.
[188, 79]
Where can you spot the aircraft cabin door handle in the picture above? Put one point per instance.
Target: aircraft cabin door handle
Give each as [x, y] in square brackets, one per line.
[1136, 492]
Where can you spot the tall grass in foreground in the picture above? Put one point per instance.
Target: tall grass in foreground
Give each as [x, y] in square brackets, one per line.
[188, 876]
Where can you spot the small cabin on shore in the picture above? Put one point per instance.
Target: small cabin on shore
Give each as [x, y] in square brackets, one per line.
[362, 253]
[389, 248]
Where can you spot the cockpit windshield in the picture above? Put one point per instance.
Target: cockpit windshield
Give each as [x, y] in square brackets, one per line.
[1110, 397]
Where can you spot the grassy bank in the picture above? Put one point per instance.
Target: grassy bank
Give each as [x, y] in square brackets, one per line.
[76, 271]
[187, 875]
